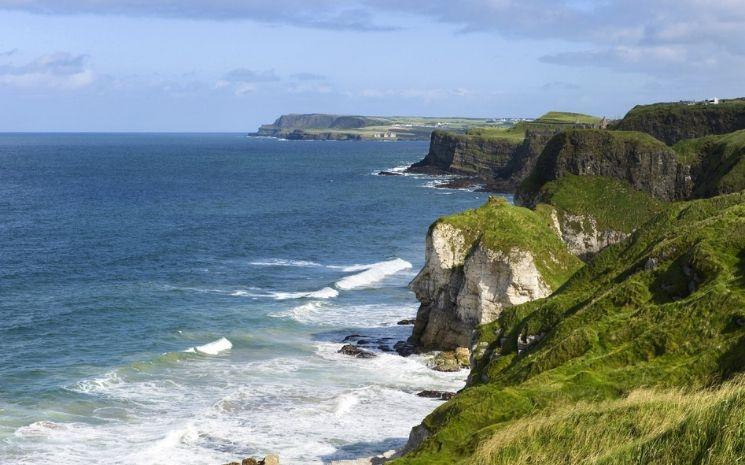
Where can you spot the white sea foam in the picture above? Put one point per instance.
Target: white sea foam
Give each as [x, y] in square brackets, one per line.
[345, 403]
[374, 274]
[212, 348]
[325, 293]
[285, 262]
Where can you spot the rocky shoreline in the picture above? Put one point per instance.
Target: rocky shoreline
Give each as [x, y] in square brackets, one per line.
[500, 279]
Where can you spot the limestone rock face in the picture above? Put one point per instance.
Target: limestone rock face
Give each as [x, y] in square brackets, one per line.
[494, 280]
[582, 236]
[436, 287]
[459, 288]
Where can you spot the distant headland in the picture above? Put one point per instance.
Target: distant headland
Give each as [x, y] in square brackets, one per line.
[319, 126]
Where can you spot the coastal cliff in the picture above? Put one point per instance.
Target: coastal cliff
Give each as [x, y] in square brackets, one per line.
[637, 158]
[673, 122]
[498, 158]
[562, 363]
[320, 126]
[480, 262]
[561, 378]
[499, 163]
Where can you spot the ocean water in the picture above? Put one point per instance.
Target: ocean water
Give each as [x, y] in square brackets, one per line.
[182, 298]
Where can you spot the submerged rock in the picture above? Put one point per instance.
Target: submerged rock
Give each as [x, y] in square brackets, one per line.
[376, 460]
[354, 351]
[450, 361]
[407, 322]
[440, 395]
[405, 348]
[270, 459]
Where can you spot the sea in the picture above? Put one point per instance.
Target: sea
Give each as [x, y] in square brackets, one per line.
[182, 298]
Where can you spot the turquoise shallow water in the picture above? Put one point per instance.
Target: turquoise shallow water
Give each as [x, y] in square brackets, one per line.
[121, 253]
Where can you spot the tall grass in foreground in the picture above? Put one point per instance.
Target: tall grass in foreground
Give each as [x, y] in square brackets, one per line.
[662, 427]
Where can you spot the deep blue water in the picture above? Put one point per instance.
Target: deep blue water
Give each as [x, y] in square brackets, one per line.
[120, 252]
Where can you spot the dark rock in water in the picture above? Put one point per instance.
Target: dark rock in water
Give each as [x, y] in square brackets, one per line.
[268, 460]
[354, 351]
[460, 183]
[442, 395]
[364, 342]
[389, 173]
[351, 337]
[407, 322]
[385, 348]
[405, 348]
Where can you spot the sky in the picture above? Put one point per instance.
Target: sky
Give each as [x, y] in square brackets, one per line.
[231, 65]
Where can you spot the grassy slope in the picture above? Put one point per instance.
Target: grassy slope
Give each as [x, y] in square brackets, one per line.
[662, 309]
[551, 121]
[648, 426]
[501, 226]
[720, 157]
[570, 118]
[614, 204]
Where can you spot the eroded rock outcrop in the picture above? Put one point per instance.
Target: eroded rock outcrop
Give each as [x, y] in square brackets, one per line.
[480, 262]
[499, 163]
[582, 235]
[672, 122]
[640, 160]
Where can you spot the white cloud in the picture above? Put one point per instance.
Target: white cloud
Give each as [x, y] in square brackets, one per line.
[60, 70]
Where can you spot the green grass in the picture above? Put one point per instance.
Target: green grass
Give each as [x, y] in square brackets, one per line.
[503, 227]
[568, 118]
[717, 161]
[662, 310]
[552, 121]
[614, 204]
[513, 134]
[646, 427]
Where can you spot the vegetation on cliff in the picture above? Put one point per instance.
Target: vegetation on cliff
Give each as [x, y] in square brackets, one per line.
[637, 158]
[320, 126]
[623, 364]
[717, 163]
[502, 227]
[614, 204]
[551, 122]
[673, 122]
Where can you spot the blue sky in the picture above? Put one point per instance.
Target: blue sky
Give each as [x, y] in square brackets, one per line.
[230, 65]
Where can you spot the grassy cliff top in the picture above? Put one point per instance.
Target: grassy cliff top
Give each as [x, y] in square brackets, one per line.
[552, 121]
[723, 105]
[614, 204]
[673, 122]
[568, 118]
[503, 227]
[663, 310]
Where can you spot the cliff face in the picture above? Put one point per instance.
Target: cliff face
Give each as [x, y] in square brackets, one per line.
[716, 163]
[662, 310]
[672, 122]
[644, 162]
[480, 262]
[498, 162]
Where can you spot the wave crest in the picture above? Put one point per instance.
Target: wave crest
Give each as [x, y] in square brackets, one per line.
[373, 274]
